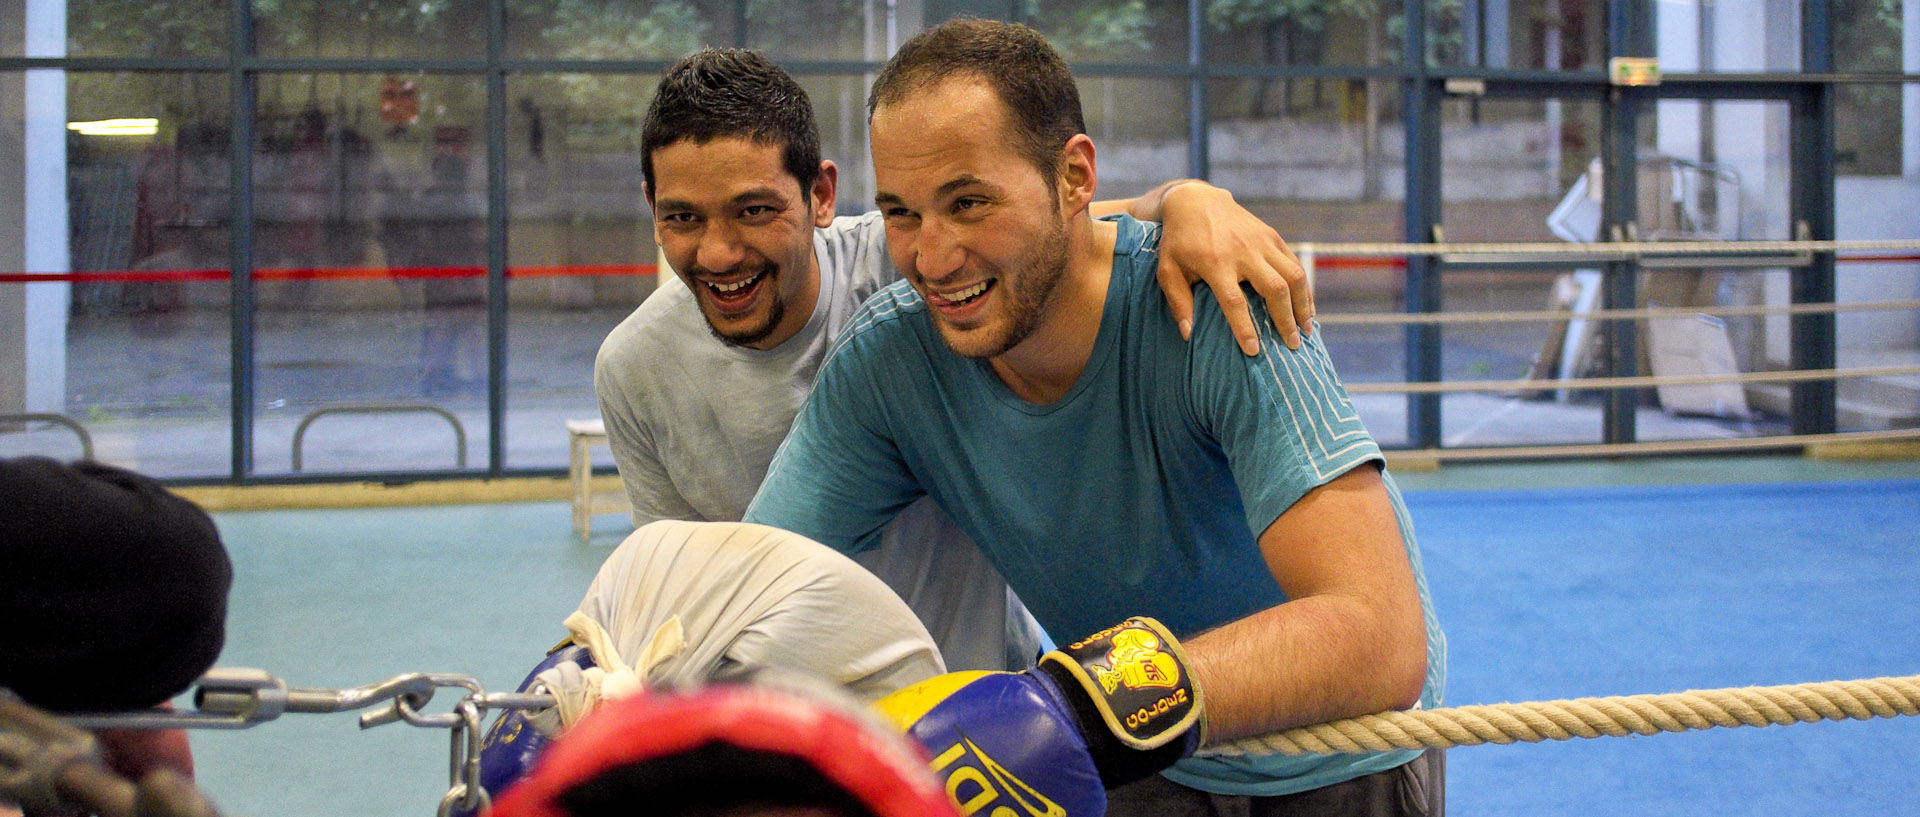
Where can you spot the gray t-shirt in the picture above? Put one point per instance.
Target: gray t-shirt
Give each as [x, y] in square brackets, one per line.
[694, 423]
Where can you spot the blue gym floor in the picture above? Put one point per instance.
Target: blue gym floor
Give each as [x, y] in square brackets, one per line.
[1552, 581]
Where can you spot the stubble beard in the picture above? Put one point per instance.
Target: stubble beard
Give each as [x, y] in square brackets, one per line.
[1028, 295]
[755, 333]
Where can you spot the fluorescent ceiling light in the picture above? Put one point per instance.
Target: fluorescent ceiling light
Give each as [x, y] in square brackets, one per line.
[116, 127]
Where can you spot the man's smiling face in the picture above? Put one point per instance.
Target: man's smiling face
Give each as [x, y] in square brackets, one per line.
[970, 221]
[738, 229]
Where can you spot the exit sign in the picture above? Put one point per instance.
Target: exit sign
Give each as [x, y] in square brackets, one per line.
[1634, 70]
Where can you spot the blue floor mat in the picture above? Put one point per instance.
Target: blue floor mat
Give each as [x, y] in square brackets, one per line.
[1611, 591]
[1544, 594]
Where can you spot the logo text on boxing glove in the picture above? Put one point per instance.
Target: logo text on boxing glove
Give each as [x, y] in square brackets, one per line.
[983, 785]
[1137, 662]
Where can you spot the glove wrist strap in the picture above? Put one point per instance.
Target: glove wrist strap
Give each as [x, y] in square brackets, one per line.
[1131, 689]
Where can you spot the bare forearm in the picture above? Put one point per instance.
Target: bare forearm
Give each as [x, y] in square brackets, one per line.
[1307, 661]
[1146, 206]
[1351, 640]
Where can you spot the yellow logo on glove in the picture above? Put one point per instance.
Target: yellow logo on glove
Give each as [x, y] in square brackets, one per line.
[973, 787]
[1137, 662]
[1136, 677]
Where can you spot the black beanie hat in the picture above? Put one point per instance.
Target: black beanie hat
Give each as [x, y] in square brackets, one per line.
[113, 591]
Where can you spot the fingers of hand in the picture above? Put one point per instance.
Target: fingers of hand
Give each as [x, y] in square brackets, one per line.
[1177, 284]
[1239, 316]
[1299, 292]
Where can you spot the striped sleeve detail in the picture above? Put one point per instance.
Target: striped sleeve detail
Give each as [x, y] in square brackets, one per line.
[893, 302]
[1327, 427]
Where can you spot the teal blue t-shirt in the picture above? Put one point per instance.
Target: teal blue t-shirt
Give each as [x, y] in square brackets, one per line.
[1142, 491]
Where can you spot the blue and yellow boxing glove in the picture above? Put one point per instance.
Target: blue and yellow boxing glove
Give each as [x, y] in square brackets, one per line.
[1100, 712]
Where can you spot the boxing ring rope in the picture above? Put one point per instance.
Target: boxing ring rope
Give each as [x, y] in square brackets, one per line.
[1780, 441]
[1655, 254]
[1652, 312]
[1602, 250]
[1619, 716]
[41, 755]
[1631, 382]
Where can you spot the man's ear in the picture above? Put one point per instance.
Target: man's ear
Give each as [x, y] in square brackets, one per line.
[825, 185]
[1078, 176]
[646, 190]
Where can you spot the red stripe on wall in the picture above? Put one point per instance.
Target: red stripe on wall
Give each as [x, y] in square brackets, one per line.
[564, 271]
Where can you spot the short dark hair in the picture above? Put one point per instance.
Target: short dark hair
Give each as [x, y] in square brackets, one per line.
[1026, 72]
[733, 92]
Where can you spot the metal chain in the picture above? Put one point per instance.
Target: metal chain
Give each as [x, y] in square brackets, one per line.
[464, 791]
[236, 698]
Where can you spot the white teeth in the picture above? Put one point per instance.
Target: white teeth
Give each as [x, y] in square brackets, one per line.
[967, 294]
[735, 287]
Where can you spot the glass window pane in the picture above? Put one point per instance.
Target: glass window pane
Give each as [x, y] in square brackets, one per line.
[840, 109]
[820, 29]
[1876, 130]
[370, 28]
[1505, 165]
[1715, 171]
[113, 286]
[370, 244]
[1544, 350]
[1322, 161]
[1880, 338]
[1511, 171]
[1867, 36]
[143, 28]
[580, 247]
[1728, 35]
[1136, 153]
[1877, 153]
[616, 29]
[1130, 31]
[1551, 35]
[1263, 32]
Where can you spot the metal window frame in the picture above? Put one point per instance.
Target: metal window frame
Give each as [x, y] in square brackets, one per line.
[1809, 92]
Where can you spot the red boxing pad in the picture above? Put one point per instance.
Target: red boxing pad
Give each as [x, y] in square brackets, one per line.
[749, 740]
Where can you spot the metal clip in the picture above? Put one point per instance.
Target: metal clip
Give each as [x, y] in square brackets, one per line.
[252, 695]
[406, 706]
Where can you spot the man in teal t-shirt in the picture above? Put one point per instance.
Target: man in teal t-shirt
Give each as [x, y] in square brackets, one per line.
[1026, 375]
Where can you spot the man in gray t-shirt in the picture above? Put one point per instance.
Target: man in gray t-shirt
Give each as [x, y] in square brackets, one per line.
[700, 384]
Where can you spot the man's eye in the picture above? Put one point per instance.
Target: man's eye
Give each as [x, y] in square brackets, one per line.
[677, 218]
[968, 204]
[756, 215]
